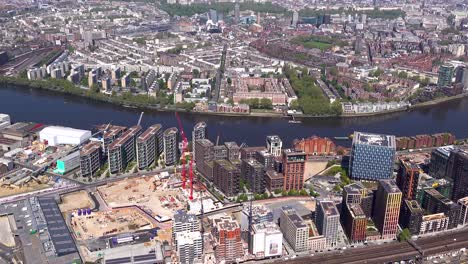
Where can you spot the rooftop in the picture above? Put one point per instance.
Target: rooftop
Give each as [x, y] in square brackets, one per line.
[181, 216]
[294, 217]
[171, 131]
[226, 223]
[131, 132]
[463, 201]
[389, 186]
[89, 148]
[226, 165]
[151, 131]
[374, 139]
[184, 238]
[200, 125]
[413, 205]
[445, 150]
[432, 217]
[329, 208]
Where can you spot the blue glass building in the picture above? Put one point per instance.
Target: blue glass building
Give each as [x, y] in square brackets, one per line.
[372, 156]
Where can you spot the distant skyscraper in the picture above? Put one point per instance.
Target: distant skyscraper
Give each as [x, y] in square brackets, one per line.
[457, 171]
[295, 18]
[387, 208]
[407, 179]
[171, 151]
[293, 169]
[372, 156]
[327, 219]
[445, 75]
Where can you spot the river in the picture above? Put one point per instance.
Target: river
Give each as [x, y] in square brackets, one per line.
[57, 109]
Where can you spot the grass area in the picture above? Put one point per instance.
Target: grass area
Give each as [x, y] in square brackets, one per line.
[318, 45]
[311, 99]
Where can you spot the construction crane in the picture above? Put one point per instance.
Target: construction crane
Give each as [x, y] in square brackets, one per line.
[139, 119]
[185, 158]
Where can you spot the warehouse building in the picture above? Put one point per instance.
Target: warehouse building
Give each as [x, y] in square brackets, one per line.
[57, 135]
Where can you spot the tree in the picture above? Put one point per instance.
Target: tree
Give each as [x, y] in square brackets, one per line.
[196, 73]
[405, 235]
[266, 103]
[229, 81]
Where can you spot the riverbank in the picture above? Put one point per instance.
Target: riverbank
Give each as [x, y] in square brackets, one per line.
[26, 84]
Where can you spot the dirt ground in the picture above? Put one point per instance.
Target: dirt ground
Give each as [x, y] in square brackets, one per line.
[6, 237]
[146, 193]
[28, 187]
[112, 222]
[76, 200]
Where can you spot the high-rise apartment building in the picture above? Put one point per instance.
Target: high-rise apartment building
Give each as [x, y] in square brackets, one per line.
[109, 134]
[372, 156]
[148, 146]
[184, 222]
[123, 150]
[274, 145]
[411, 215]
[434, 203]
[327, 219]
[199, 132]
[90, 158]
[253, 172]
[387, 208]
[227, 234]
[463, 203]
[171, 151]
[407, 179]
[226, 177]
[354, 222]
[233, 151]
[457, 172]
[189, 247]
[203, 154]
[439, 161]
[357, 193]
[294, 230]
[445, 75]
[293, 169]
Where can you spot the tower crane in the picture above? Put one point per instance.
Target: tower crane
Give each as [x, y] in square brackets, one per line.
[185, 159]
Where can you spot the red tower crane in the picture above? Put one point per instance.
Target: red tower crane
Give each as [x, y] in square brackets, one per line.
[185, 159]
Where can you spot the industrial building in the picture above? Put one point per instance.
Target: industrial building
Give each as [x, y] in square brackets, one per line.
[61, 239]
[122, 151]
[295, 231]
[293, 169]
[372, 156]
[171, 151]
[387, 208]
[327, 219]
[57, 135]
[147, 146]
[90, 158]
[68, 163]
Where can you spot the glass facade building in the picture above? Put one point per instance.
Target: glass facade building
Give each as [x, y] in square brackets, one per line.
[372, 156]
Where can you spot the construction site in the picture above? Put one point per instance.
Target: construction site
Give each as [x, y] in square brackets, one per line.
[150, 193]
[75, 200]
[22, 181]
[91, 225]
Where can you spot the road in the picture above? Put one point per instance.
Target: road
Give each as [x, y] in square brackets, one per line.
[391, 252]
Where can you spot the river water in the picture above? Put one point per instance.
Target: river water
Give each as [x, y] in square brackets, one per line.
[57, 109]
